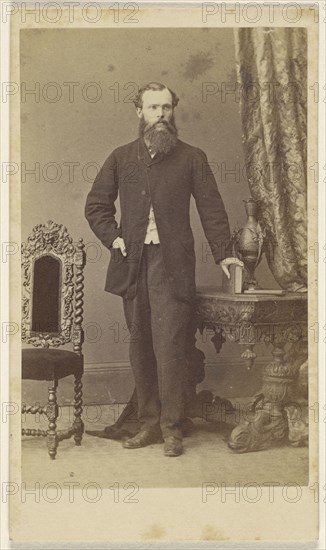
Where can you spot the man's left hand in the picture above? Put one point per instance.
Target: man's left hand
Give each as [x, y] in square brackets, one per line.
[229, 261]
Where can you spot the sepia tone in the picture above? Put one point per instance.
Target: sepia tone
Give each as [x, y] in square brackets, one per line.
[247, 400]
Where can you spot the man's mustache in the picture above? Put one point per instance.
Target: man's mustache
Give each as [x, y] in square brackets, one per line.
[166, 123]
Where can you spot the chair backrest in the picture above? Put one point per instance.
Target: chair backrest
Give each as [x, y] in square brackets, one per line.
[53, 288]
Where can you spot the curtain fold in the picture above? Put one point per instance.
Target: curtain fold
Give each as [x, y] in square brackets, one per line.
[272, 76]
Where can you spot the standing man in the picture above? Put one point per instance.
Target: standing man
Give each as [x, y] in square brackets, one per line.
[152, 262]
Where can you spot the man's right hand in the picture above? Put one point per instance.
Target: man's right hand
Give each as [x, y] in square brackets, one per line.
[119, 243]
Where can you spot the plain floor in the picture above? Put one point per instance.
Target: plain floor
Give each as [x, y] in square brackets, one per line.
[206, 458]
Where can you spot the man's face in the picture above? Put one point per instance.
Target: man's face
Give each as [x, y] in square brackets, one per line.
[157, 107]
[156, 123]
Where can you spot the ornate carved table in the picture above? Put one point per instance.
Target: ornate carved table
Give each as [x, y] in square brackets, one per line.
[248, 319]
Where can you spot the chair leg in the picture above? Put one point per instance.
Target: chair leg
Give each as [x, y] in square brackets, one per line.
[52, 415]
[78, 424]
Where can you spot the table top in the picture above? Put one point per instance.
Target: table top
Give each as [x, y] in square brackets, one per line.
[218, 293]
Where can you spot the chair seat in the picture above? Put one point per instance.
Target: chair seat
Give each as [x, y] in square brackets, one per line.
[50, 364]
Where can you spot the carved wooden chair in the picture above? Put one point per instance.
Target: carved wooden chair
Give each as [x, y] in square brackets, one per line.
[52, 315]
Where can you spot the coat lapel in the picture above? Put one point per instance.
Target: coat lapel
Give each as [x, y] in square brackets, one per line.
[143, 154]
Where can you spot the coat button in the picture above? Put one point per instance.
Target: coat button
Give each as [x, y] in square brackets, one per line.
[143, 192]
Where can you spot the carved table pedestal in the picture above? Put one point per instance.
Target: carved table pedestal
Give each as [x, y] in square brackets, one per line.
[248, 319]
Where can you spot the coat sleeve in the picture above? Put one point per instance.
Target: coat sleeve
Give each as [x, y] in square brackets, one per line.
[210, 207]
[100, 210]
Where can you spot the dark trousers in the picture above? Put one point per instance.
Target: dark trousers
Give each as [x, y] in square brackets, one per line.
[158, 324]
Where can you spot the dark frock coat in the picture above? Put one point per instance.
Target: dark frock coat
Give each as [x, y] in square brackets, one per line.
[167, 181]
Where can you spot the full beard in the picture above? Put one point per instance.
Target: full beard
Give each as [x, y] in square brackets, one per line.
[161, 140]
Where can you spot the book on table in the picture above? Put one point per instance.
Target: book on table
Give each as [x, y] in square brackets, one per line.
[235, 283]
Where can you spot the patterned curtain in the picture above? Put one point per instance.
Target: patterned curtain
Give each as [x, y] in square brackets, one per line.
[271, 71]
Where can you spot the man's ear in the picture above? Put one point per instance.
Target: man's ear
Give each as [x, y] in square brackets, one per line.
[139, 111]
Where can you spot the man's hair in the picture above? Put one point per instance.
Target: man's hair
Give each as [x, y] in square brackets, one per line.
[138, 101]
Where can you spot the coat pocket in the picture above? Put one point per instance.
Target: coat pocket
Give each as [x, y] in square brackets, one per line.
[121, 278]
[117, 276]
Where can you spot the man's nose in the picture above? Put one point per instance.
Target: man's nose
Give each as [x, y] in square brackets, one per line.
[160, 112]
